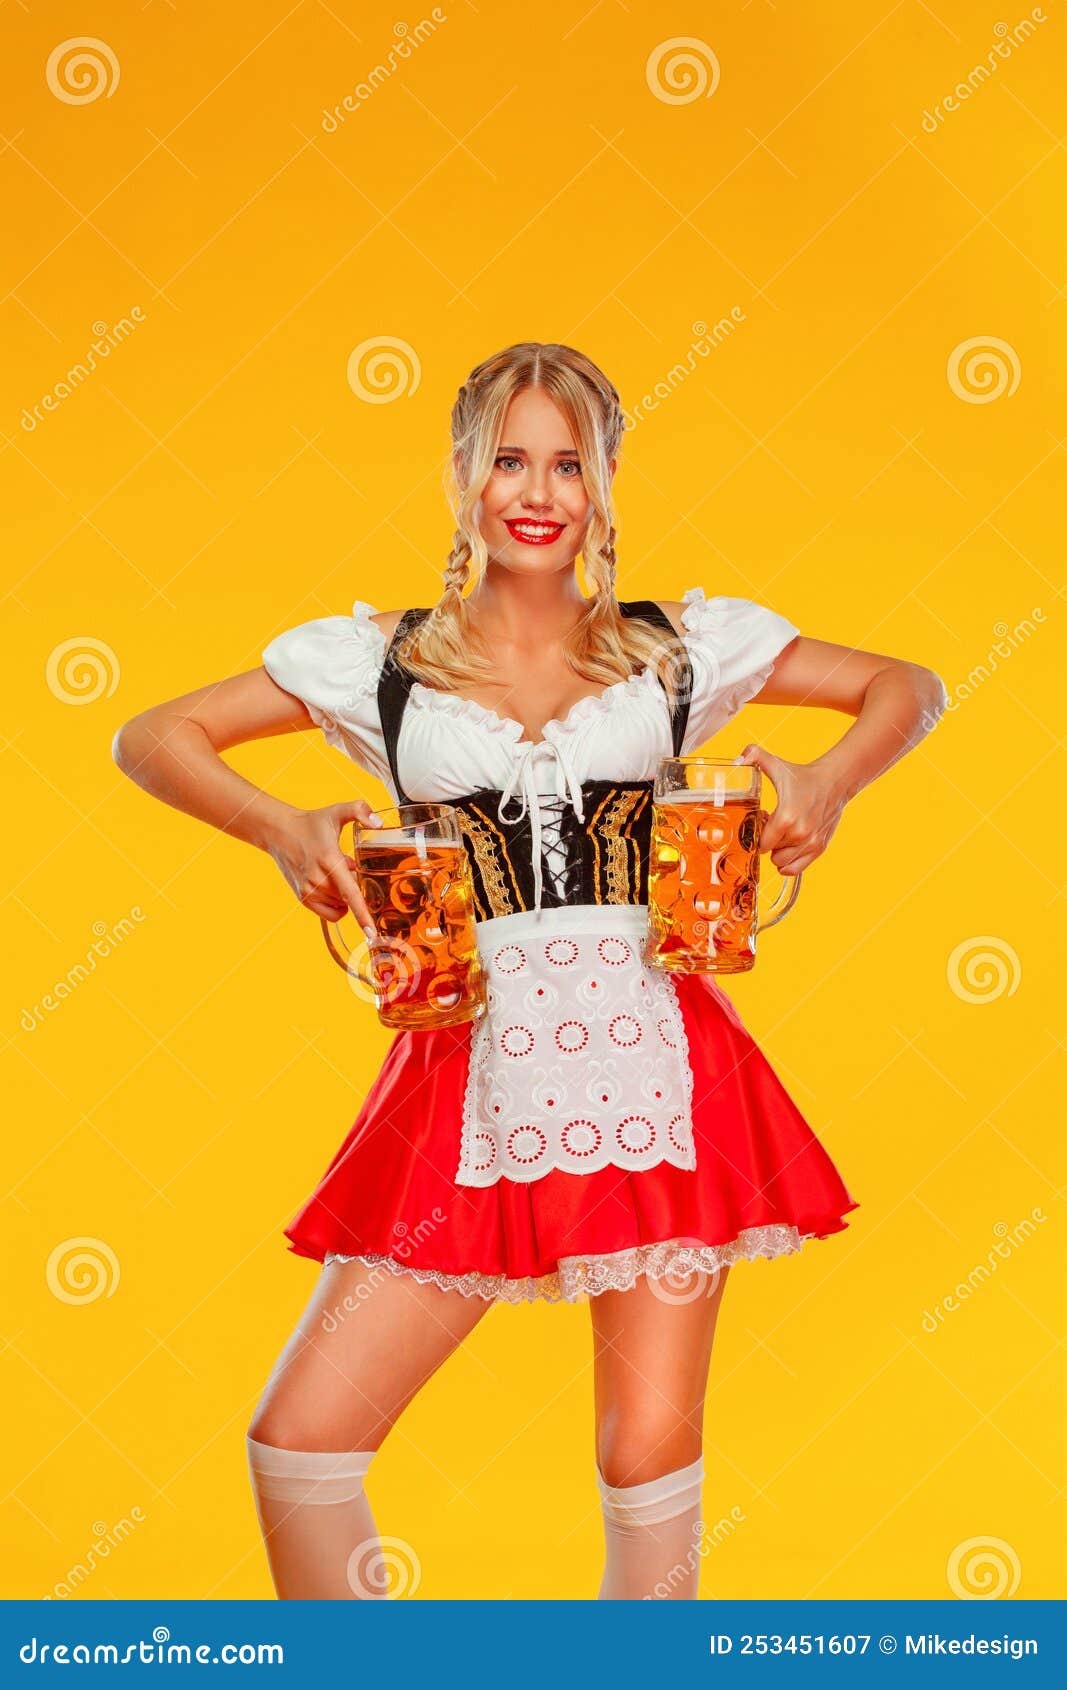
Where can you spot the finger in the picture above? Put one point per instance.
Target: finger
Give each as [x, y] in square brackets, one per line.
[327, 908]
[791, 862]
[344, 882]
[355, 810]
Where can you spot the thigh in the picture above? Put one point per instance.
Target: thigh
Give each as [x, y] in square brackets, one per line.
[651, 1353]
[367, 1340]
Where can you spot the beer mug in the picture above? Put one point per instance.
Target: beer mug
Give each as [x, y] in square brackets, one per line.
[703, 868]
[415, 877]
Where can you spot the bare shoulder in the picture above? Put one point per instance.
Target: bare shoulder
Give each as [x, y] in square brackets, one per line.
[387, 620]
[672, 608]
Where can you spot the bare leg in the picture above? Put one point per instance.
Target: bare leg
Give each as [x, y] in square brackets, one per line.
[366, 1342]
[652, 1351]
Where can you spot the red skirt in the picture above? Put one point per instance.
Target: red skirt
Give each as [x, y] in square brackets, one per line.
[762, 1184]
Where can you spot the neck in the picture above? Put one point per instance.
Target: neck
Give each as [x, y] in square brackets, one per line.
[526, 609]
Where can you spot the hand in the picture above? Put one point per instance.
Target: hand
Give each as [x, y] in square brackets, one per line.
[809, 809]
[307, 850]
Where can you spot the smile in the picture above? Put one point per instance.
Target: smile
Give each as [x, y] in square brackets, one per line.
[535, 533]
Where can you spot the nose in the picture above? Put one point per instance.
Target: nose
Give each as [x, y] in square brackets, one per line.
[535, 491]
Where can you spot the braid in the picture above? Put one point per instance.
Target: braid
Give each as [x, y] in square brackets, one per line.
[457, 569]
[604, 644]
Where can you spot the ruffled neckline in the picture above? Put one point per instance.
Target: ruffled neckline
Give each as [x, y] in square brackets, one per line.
[361, 614]
[432, 698]
[698, 614]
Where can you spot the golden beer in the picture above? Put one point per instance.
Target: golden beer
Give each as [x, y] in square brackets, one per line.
[415, 879]
[704, 867]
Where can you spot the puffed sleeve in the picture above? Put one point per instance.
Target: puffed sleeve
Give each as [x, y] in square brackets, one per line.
[732, 644]
[333, 665]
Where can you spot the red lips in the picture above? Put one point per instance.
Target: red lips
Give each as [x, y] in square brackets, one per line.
[548, 533]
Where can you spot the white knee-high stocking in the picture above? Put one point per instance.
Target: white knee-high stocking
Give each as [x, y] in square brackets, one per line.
[652, 1535]
[316, 1521]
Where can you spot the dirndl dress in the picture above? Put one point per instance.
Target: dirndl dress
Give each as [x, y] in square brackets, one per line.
[603, 1119]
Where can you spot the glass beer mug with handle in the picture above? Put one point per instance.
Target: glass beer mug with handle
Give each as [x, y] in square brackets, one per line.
[415, 877]
[703, 868]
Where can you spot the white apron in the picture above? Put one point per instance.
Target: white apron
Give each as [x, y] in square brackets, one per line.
[581, 1059]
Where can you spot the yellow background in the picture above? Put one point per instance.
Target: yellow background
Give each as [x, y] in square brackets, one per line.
[218, 480]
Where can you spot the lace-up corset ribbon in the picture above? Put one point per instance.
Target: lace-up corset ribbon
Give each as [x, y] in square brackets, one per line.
[523, 780]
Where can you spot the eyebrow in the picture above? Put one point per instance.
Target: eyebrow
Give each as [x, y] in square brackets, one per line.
[520, 451]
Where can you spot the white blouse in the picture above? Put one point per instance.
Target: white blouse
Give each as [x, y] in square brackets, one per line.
[451, 746]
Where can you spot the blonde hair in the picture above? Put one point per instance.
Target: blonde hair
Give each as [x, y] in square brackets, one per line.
[605, 645]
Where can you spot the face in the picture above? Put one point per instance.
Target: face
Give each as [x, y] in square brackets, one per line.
[534, 507]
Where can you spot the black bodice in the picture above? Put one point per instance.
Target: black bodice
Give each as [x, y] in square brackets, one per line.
[601, 860]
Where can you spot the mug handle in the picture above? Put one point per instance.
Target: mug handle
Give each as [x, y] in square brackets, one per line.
[343, 957]
[780, 906]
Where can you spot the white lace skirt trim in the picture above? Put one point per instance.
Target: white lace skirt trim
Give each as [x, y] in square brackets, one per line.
[579, 1276]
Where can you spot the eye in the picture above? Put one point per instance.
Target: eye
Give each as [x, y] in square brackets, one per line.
[504, 463]
[571, 466]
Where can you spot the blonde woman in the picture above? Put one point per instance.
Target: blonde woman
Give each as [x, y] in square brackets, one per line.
[622, 1138]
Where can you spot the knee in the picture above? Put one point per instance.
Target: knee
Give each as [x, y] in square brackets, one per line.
[634, 1455]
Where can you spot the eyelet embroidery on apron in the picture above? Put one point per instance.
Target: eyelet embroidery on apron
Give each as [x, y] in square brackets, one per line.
[581, 1060]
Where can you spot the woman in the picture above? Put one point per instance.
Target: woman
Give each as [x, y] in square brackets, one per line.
[635, 1178]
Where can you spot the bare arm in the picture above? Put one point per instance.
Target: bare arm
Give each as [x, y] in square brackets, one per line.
[173, 751]
[895, 704]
